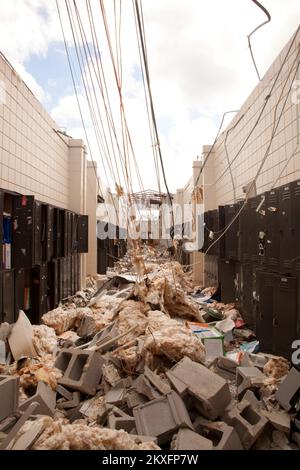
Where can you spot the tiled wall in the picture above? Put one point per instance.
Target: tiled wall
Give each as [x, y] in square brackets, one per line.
[34, 159]
[284, 143]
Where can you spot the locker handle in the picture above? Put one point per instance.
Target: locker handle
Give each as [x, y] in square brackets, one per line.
[275, 321]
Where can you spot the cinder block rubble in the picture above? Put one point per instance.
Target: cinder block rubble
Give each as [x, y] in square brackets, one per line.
[210, 392]
[134, 399]
[82, 370]
[186, 439]
[9, 395]
[45, 398]
[247, 421]
[248, 378]
[280, 420]
[223, 437]
[162, 417]
[225, 367]
[143, 386]
[288, 392]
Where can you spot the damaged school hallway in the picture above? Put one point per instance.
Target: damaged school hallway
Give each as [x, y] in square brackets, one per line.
[138, 319]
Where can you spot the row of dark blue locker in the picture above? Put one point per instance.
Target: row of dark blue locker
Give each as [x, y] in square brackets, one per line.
[38, 290]
[39, 231]
[267, 231]
[268, 301]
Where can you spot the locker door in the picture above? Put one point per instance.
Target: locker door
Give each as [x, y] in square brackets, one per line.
[246, 289]
[285, 229]
[22, 232]
[19, 290]
[75, 261]
[69, 233]
[221, 225]
[50, 232]
[40, 291]
[272, 229]
[63, 285]
[256, 228]
[232, 234]
[56, 232]
[69, 275]
[60, 280]
[214, 227]
[54, 283]
[83, 226]
[1, 227]
[285, 315]
[72, 274]
[65, 233]
[37, 233]
[75, 273]
[8, 295]
[1, 297]
[78, 278]
[244, 234]
[295, 232]
[75, 218]
[264, 320]
[227, 271]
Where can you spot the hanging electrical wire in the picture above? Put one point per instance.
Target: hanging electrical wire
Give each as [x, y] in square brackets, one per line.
[127, 140]
[89, 60]
[256, 29]
[101, 79]
[146, 68]
[77, 99]
[80, 60]
[150, 123]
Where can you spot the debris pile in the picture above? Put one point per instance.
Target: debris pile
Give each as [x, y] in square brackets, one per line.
[144, 362]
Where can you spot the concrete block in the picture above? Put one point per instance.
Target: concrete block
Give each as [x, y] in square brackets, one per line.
[65, 404]
[27, 439]
[116, 395]
[225, 367]
[186, 439]
[6, 443]
[162, 417]
[279, 419]
[7, 423]
[114, 422]
[288, 392]
[64, 392]
[9, 395]
[246, 420]
[143, 386]
[134, 399]
[106, 335]
[157, 382]
[248, 378]
[45, 397]
[82, 369]
[251, 398]
[210, 392]
[223, 437]
[253, 360]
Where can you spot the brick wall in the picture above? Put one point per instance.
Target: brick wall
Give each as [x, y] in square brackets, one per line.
[33, 158]
[284, 143]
